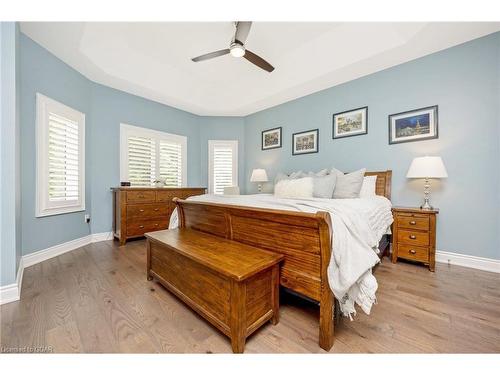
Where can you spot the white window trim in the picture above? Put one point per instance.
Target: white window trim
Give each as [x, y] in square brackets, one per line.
[127, 130]
[44, 207]
[211, 145]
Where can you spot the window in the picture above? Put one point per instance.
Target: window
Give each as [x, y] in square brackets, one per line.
[60, 137]
[222, 165]
[149, 155]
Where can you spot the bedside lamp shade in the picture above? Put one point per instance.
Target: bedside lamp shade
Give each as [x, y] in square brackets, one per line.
[259, 175]
[427, 167]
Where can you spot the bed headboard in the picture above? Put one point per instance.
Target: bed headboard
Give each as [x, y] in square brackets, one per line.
[383, 186]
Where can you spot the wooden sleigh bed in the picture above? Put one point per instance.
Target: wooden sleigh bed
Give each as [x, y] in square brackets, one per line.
[303, 238]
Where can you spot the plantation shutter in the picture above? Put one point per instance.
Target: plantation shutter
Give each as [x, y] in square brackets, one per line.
[223, 168]
[171, 163]
[141, 161]
[63, 159]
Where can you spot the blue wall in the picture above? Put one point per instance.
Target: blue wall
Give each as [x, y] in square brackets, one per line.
[110, 108]
[10, 213]
[464, 82]
[42, 72]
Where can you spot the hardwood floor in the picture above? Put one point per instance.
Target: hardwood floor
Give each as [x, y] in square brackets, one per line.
[97, 299]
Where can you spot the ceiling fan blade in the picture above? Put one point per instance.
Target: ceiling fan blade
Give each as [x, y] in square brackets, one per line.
[259, 61]
[242, 30]
[211, 55]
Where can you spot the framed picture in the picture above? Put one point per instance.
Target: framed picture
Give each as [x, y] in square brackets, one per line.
[305, 142]
[271, 138]
[350, 123]
[416, 125]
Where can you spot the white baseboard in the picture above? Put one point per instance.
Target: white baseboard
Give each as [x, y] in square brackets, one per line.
[12, 292]
[485, 264]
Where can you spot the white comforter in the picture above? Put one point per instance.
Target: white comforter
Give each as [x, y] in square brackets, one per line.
[357, 225]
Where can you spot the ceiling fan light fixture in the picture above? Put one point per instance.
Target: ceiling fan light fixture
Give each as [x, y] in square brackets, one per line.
[237, 50]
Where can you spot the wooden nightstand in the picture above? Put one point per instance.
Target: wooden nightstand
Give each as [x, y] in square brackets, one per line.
[414, 235]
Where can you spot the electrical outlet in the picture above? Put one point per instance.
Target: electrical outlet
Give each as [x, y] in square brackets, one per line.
[87, 218]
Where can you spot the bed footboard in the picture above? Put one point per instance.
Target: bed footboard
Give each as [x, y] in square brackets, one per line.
[303, 238]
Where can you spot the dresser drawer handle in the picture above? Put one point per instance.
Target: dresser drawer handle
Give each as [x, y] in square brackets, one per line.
[412, 237]
[156, 209]
[413, 222]
[412, 252]
[156, 225]
[141, 226]
[140, 196]
[141, 210]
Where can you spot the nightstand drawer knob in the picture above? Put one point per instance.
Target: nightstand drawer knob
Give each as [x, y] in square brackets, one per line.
[413, 222]
[412, 251]
[412, 237]
[141, 226]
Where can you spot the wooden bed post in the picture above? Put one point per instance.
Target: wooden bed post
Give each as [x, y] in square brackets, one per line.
[327, 300]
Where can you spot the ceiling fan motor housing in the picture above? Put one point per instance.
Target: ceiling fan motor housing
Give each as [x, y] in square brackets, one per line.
[237, 49]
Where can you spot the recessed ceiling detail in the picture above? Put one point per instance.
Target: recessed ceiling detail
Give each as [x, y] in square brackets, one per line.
[153, 60]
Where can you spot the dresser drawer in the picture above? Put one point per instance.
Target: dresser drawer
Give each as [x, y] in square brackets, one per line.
[413, 222]
[138, 228]
[412, 237]
[417, 253]
[137, 211]
[141, 196]
[166, 196]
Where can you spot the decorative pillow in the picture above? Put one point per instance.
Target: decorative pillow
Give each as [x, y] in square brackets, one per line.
[321, 173]
[368, 187]
[280, 176]
[298, 174]
[296, 188]
[348, 185]
[323, 186]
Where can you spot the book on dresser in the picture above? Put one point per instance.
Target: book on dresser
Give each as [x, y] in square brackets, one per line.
[138, 210]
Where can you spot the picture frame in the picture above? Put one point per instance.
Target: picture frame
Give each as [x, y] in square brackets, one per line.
[306, 142]
[350, 123]
[416, 125]
[271, 138]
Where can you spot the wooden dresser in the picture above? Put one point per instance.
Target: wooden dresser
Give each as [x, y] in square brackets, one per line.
[414, 235]
[139, 210]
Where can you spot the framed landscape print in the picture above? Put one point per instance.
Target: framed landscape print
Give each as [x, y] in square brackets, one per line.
[305, 142]
[350, 123]
[416, 125]
[271, 138]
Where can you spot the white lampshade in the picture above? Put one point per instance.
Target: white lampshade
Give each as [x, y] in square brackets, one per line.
[427, 167]
[259, 175]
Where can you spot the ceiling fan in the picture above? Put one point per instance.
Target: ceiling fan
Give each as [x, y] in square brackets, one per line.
[237, 48]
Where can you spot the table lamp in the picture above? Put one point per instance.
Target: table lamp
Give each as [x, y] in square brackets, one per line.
[259, 175]
[427, 167]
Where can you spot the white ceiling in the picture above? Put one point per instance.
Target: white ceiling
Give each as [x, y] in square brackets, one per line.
[153, 60]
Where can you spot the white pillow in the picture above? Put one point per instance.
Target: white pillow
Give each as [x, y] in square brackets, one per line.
[297, 174]
[368, 187]
[296, 188]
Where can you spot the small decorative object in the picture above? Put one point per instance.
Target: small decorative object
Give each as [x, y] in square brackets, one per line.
[416, 125]
[427, 167]
[160, 182]
[271, 138]
[124, 183]
[259, 175]
[305, 142]
[350, 123]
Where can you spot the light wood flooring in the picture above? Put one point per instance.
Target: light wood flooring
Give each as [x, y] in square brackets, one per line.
[97, 299]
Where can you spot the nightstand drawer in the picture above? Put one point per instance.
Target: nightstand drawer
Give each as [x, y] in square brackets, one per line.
[413, 222]
[412, 237]
[417, 253]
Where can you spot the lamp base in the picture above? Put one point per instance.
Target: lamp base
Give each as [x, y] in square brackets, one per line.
[426, 205]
